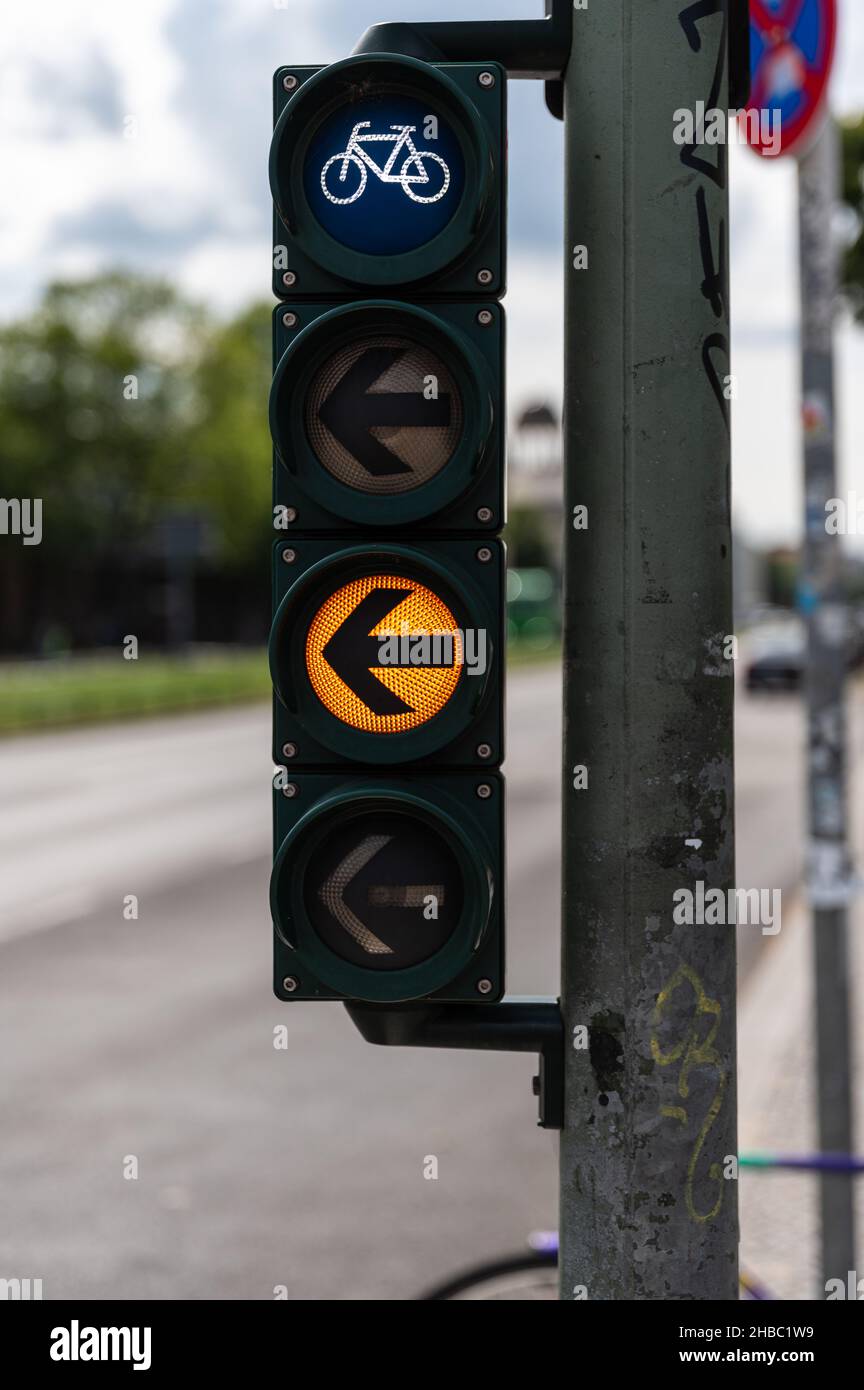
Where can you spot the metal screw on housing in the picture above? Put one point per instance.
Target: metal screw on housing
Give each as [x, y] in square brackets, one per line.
[289, 81]
[484, 986]
[289, 750]
[290, 513]
[484, 750]
[484, 554]
[484, 277]
[289, 555]
[485, 317]
[290, 790]
[289, 278]
[289, 319]
[486, 79]
[484, 791]
[484, 513]
[289, 984]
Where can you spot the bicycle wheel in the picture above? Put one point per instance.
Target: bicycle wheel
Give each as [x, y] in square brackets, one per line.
[344, 178]
[514, 1278]
[423, 178]
[534, 1275]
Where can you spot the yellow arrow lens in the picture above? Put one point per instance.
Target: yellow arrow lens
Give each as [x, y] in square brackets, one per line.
[384, 653]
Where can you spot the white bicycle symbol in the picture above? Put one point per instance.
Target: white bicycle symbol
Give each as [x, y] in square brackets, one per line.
[358, 158]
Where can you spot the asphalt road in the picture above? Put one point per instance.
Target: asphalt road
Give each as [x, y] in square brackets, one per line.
[152, 1040]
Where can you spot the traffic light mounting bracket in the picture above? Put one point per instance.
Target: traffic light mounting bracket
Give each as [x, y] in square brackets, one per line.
[516, 1024]
[537, 48]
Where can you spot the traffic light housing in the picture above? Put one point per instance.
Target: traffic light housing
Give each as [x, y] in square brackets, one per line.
[343, 696]
[363, 454]
[387, 417]
[404, 232]
[386, 890]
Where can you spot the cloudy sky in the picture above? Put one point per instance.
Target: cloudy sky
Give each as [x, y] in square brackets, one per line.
[137, 134]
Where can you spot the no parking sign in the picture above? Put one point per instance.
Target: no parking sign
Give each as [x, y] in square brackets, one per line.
[791, 52]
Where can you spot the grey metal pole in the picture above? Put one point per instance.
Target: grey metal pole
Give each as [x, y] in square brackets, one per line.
[648, 1150]
[823, 601]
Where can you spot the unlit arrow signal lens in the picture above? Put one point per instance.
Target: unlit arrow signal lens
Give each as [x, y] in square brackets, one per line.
[345, 656]
[406, 894]
[384, 414]
[402, 895]
[387, 888]
[384, 890]
[332, 894]
[351, 413]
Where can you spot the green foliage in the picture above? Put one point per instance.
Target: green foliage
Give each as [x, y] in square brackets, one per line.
[781, 577]
[229, 446]
[122, 403]
[71, 431]
[527, 539]
[40, 694]
[852, 132]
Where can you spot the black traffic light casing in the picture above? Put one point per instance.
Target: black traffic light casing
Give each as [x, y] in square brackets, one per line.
[468, 576]
[466, 810]
[466, 256]
[387, 415]
[467, 494]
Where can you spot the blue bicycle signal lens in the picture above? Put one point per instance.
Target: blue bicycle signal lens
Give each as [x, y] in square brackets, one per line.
[384, 175]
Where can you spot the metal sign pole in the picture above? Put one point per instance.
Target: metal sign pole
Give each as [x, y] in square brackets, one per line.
[822, 599]
[648, 1149]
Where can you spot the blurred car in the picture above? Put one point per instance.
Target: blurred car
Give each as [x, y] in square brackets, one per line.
[779, 653]
[781, 669]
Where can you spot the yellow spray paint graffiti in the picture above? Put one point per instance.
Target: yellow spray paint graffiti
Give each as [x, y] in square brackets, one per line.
[691, 1052]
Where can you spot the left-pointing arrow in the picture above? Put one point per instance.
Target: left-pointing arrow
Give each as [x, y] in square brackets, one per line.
[352, 411]
[332, 894]
[384, 653]
[352, 650]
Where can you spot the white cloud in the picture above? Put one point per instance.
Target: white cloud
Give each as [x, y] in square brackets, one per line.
[535, 332]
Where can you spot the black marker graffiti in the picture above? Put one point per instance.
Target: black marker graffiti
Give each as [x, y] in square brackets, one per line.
[689, 20]
[715, 270]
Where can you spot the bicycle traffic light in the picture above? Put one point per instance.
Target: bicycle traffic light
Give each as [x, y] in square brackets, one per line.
[386, 648]
[386, 171]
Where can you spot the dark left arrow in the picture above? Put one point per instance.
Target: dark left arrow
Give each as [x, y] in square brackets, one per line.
[352, 411]
[352, 651]
[334, 894]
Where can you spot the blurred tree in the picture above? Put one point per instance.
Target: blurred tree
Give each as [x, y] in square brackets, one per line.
[97, 396]
[781, 576]
[136, 417]
[527, 541]
[852, 133]
[229, 444]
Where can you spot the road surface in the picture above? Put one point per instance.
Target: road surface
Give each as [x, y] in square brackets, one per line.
[147, 1045]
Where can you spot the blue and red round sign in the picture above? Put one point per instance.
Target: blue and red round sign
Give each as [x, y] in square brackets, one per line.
[791, 51]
